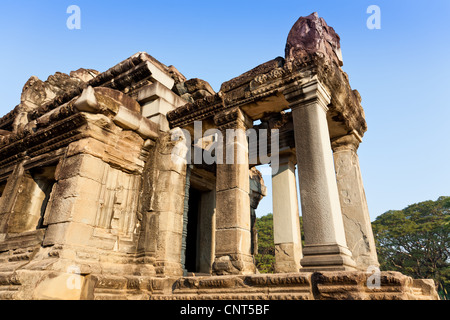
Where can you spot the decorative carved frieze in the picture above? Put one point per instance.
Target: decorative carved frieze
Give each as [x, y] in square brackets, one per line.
[232, 118]
[197, 111]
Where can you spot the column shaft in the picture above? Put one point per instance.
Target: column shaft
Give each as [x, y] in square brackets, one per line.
[325, 244]
[355, 212]
[286, 224]
[233, 235]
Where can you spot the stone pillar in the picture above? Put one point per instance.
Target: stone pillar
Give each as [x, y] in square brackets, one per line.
[355, 213]
[233, 236]
[325, 245]
[168, 204]
[286, 224]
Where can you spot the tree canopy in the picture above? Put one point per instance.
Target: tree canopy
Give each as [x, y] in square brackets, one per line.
[414, 241]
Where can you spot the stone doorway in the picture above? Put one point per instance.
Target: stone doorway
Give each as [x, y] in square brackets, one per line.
[192, 231]
[200, 225]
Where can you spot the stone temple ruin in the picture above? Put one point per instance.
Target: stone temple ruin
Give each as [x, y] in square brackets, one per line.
[93, 206]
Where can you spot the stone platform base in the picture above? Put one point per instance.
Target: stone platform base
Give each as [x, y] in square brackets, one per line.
[347, 285]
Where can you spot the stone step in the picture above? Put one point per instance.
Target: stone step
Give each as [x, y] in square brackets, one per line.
[8, 292]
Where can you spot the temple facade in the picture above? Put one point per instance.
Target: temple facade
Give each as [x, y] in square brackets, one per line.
[127, 184]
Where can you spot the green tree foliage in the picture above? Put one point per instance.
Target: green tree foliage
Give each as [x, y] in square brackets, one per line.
[416, 241]
[265, 258]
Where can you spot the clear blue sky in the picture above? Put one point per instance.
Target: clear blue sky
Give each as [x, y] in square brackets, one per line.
[400, 70]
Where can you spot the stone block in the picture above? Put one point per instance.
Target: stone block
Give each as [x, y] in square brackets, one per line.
[331, 257]
[169, 246]
[85, 211]
[232, 241]
[158, 91]
[121, 152]
[160, 76]
[87, 146]
[426, 288]
[286, 224]
[155, 107]
[167, 201]
[127, 119]
[78, 186]
[196, 84]
[26, 211]
[68, 233]
[83, 165]
[168, 162]
[232, 176]
[148, 129]
[59, 210]
[171, 181]
[87, 101]
[168, 268]
[170, 221]
[62, 286]
[233, 209]
[161, 121]
[287, 257]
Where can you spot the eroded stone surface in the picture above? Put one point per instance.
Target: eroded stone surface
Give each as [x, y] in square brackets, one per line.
[311, 35]
[97, 199]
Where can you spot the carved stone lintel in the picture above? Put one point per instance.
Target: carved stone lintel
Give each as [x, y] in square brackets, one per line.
[233, 118]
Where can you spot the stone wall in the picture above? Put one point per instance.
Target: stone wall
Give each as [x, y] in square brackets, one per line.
[289, 286]
[94, 189]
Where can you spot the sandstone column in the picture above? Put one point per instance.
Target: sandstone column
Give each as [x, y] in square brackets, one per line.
[355, 213]
[325, 245]
[233, 236]
[286, 224]
[168, 204]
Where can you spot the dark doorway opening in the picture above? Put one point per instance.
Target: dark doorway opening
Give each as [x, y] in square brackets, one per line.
[192, 230]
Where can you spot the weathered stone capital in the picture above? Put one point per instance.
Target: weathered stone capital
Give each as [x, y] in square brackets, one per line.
[347, 142]
[233, 118]
[309, 93]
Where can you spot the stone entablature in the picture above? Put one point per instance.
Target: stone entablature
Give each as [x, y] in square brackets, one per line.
[95, 204]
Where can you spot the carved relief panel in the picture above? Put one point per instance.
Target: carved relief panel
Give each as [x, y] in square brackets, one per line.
[118, 202]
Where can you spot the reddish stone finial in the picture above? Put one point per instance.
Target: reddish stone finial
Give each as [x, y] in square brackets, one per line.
[311, 35]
